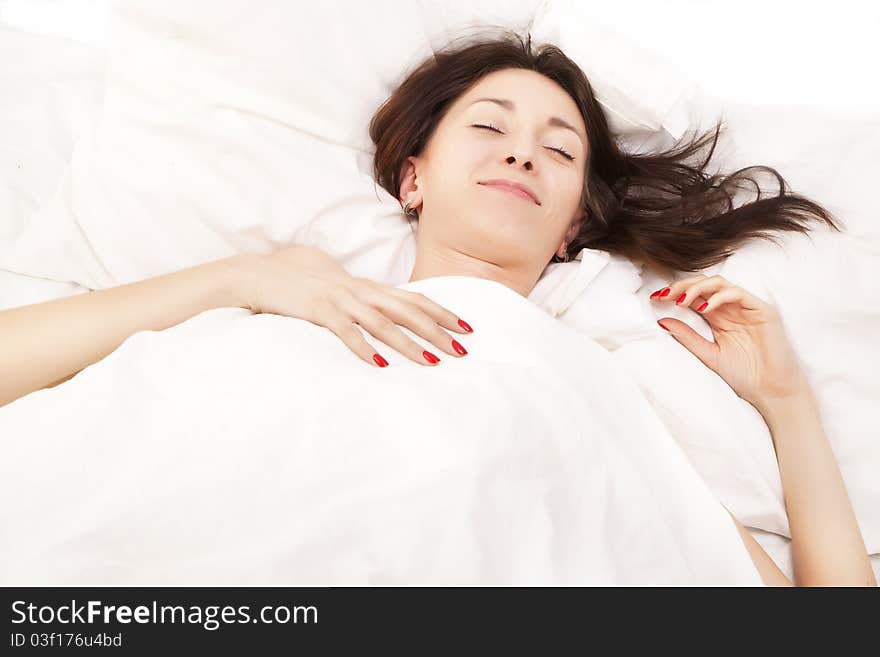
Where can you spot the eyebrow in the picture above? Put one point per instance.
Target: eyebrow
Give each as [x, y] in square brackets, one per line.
[553, 120]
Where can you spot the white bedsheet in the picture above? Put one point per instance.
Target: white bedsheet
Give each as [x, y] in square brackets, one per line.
[257, 449]
[829, 160]
[22, 290]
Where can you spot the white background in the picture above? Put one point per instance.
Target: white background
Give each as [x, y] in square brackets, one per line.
[780, 52]
[821, 54]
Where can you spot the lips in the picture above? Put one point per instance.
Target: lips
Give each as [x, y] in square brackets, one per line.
[510, 184]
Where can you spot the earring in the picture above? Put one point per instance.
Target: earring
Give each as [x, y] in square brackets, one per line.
[407, 211]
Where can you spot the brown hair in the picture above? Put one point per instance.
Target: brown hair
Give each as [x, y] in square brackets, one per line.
[650, 207]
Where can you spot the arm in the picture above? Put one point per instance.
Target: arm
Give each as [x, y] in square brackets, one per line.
[752, 353]
[44, 344]
[769, 571]
[827, 545]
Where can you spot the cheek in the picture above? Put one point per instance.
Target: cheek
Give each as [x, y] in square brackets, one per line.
[565, 191]
[575, 188]
[460, 165]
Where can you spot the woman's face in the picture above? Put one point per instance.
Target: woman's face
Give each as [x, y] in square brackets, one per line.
[484, 228]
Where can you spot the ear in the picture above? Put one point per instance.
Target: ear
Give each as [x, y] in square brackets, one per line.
[408, 184]
[570, 234]
[575, 228]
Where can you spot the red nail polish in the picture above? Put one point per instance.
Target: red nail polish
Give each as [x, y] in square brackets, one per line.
[655, 294]
[381, 362]
[703, 307]
[431, 358]
[681, 298]
[463, 324]
[665, 291]
[661, 324]
[458, 348]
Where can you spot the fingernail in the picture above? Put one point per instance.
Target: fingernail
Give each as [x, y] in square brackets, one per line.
[665, 292]
[661, 324]
[381, 362]
[703, 307]
[463, 324]
[458, 348]
[431, 358]
[681, 298]
[656, 294]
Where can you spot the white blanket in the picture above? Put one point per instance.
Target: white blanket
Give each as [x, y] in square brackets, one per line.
[257, 449]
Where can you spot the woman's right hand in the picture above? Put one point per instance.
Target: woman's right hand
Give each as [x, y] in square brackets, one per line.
[304, 282]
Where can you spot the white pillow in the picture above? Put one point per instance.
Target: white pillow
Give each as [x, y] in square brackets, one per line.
[640, 89]
[228, 128]
[51, 90]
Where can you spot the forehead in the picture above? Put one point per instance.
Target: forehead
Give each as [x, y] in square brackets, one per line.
[525, 84]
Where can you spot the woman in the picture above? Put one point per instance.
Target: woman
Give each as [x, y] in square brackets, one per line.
[506, 159]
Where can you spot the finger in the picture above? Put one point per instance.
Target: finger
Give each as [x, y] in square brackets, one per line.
[708, 288]
[743, 297]
[415, 317]
[699, 290]
[693, 292]
[419, 322]
[699, 346]
[673, 291]
[727, 295]
[351, 336]
[383, 328]
[442, 316]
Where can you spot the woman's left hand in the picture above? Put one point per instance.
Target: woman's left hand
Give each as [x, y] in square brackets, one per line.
[751, 351]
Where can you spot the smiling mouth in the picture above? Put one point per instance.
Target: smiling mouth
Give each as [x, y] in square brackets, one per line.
[511, 190]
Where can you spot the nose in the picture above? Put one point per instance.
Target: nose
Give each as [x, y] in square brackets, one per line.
[511, 159]
[522, 152]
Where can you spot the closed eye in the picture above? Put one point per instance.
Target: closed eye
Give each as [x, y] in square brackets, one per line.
[560, 150]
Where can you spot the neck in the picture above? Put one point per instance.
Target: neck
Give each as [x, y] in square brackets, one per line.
[431, 262]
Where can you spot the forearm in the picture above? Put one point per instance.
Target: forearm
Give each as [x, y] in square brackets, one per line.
[827, 545]
[41, 344]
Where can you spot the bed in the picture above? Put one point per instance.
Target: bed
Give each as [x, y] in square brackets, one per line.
[70, 106]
